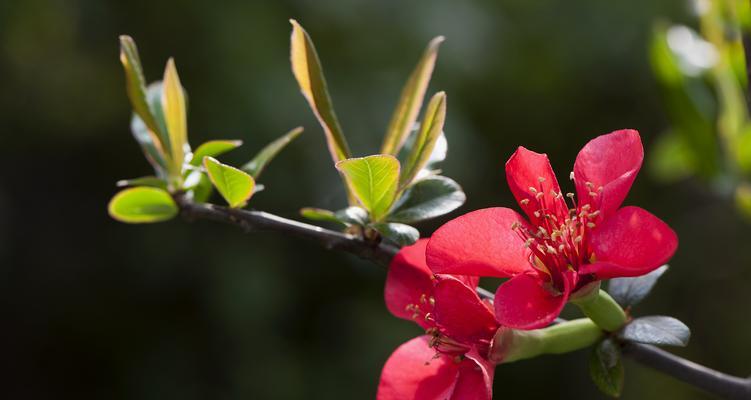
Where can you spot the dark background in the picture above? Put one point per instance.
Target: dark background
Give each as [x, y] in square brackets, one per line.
[91, 308]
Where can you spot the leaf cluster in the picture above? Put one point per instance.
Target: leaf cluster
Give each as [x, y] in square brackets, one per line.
[400, 185]
[159, 125]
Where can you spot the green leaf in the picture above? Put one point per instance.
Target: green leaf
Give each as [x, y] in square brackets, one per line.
[606, 368]
[437, 156]
[373, 181]
[411, 100]
[151, 181]
[658, 330]
[142, 205]
[430, 131]
[175, 115]
[428, 198]
[151, 149]
[213, 148]
[136, 86]
[259, 162]
[319, 214]
[353, 216]
[401, 234]
[234, 185]
[630, 291]
[306, 67]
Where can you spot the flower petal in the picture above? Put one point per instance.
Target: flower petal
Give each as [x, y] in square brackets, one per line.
[409, 279]
[412, 372]
[632, 242]
[609, 161]
[475, 381]
[479, 243]
[523, 303]
[529, 173]
[460, 313]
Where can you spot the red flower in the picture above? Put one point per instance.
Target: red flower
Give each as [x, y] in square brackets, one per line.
[450, 361]
[563, 246]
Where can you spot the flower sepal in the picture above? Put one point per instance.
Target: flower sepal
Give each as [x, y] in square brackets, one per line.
[597, 304]
[512, 344]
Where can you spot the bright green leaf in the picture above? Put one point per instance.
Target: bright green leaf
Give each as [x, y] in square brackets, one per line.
[151, 181]
[373, 180]
[259, 162]
[233, 184]
[175, 115]
[213, 148]
[430, 130]
[411, 100]
[142, 205]
[428, 198]
[306, 67]
[606, 368]
[401, 234]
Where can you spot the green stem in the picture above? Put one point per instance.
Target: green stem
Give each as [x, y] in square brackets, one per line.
[603, 310]
[511, 345]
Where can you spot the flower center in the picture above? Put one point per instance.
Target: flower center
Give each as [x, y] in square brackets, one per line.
[558, 241]
[422, 313]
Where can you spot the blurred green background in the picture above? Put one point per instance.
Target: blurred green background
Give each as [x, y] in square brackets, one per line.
[92, 308]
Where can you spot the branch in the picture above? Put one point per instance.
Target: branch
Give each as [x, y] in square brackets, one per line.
[714, 382]
[259, 221]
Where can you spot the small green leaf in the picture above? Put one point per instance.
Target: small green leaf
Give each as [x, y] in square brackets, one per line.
[319, 214]
[411, 100]
[175, 115]
[630, 291]
[606, 368]
[259, 162]
[151, 181]
[307, 69]
[430, 131]
[657, 329]
[213, 148]
[401, 234]
[373, 180]
[428, 198]
[234, 185]
[142, 205]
